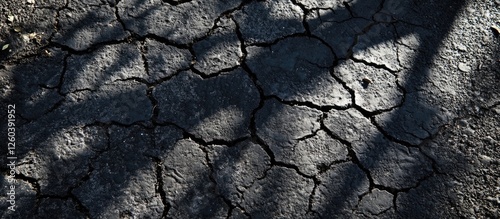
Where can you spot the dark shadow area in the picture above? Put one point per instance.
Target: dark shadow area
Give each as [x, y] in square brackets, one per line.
[100, 132]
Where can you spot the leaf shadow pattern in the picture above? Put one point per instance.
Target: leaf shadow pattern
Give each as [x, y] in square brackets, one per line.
[158, 147]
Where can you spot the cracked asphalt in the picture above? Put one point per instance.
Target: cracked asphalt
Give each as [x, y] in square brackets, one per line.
[251, 109]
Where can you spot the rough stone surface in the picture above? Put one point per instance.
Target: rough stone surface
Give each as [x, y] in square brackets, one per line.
[350, 125]
[180, 24]
[221, 50]
[339, 190]
[187, 184]
[26, 29]
[238, 167]
[266, 21]
[270, 197]
[374, 88]
[298, 142]
[214, 108]
[123, 102]
[297, 69]
[414, 121]
[393, 165]
[82, 26]
[338, 29]
[36, 80]
[62, 160]
[390, 164]
[378, 47]
[428, 199]
[123, 180]
[165, 60]
[104, 66]
[376, 202]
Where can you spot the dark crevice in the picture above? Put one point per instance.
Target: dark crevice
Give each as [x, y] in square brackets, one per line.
[348, 8]
[379, 66]
[212, 75]
[344, 84]
[379, 10]
[253, 126]
[311, 196]
[130, 39]
[117, 15]
[228, 13]
[243, 47]
[406, 190]
[332, 135]
[176, 2]
[160, 39]
[155, 104]
[230, 212]
[389, 136]
[395, 202]
[90, 49]
[335, 61]
[277, 40]
[54, 107]
[200, 141]
[291, 166]
[257, 140]
[315, 132]
[79, 90]
[306, 104]
[149, 91]
[354, 158]
[161, 80]
[352, 155]
[371, 114]
[305, 11]
[159, 187]
[79, 205]
[63, 74]
[34, 183]
[395, 192]
[365, 30]
[212, 178]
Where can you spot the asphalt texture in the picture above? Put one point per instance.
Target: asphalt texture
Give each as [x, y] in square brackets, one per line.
[250, 109]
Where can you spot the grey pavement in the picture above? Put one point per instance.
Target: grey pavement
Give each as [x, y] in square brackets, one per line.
[249, 109]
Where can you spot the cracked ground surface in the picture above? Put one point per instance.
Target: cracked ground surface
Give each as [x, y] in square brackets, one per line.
[251, 109]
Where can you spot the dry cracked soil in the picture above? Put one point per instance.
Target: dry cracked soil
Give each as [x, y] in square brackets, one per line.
[249, 109]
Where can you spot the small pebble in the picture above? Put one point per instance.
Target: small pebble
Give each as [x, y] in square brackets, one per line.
[461, 48]
[485, 159]
[464, 67]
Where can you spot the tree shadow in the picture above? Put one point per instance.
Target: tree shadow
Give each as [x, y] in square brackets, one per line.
[176, 145]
